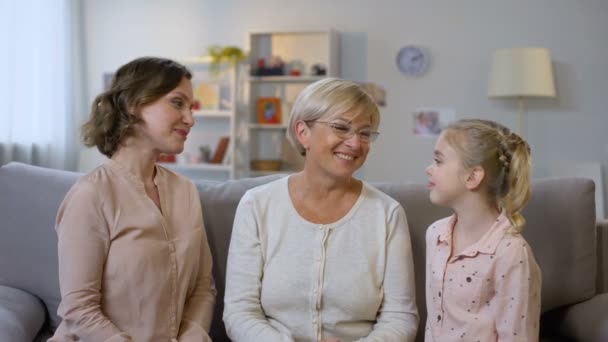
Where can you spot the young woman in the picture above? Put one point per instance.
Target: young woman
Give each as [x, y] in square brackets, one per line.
[134, 264]
[482, 281]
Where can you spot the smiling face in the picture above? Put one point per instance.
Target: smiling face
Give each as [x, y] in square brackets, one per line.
[331, 154]
[166, 122]
[447, 176]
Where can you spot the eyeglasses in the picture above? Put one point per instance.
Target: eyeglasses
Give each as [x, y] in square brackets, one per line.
[346, 131]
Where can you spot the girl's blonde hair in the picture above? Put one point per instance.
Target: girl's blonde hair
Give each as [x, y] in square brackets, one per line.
[329, 98]
[505, 158]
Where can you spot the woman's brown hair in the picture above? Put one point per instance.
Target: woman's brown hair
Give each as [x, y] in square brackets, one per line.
[135, 84]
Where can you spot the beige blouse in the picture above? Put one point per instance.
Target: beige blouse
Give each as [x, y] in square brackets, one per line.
[489, 292]
[127, 271]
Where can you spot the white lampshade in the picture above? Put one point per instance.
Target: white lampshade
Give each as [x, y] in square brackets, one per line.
[520, 72]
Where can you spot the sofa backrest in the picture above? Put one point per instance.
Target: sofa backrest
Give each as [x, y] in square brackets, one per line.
[29, 199]
[562, 232]
[219, 202]
[560, 216]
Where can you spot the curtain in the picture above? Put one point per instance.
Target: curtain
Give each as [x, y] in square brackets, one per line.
[41, 85]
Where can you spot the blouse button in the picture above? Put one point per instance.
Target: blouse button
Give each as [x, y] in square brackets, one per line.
[439, 293]
[438, 317]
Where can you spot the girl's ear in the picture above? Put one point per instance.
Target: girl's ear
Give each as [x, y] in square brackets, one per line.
[475, 178]
[303, 133]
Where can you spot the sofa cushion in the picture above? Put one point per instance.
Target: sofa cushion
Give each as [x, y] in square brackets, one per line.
[28, 207]
[21, 315]
[420, 213]
[219, 201]
[562, 232]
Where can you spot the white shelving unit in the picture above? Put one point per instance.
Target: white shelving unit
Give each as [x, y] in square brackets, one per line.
[210, 125]
[301, 49]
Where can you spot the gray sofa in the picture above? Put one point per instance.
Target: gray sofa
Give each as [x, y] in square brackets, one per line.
[569, 246]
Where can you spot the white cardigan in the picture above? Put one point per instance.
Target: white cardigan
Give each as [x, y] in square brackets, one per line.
[292, 280]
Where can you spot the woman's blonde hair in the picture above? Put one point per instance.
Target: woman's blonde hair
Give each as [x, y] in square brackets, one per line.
[135, 84]
[329, 98]
[505, 158]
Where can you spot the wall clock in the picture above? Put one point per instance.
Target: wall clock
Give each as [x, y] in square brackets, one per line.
[413, 60]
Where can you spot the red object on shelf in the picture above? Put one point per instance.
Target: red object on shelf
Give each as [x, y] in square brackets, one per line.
[295, 72]
[196, 105]
[261, 63]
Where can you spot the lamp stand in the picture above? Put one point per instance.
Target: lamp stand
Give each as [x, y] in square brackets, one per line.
[521, 116]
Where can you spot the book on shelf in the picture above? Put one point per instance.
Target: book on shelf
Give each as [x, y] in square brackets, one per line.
[220, 150]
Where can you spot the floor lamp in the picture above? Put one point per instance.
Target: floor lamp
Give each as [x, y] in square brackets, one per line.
[521, 72]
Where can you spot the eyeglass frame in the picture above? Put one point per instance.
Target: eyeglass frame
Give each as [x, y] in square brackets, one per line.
[351, 131]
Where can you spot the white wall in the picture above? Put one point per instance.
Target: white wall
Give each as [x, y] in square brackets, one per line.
[461, 36]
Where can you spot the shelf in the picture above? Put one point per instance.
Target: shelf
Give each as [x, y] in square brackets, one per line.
[267, 126]
[201, 166]
[299, 50]
[285, 79]
[212, 113]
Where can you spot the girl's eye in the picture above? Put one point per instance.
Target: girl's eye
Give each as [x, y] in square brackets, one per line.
[437, 161]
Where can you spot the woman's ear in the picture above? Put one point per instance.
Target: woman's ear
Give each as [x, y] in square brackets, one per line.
[475, 178]
[302, 133]
[132, 110]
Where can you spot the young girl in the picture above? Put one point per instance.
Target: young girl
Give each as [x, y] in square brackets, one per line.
[482, 281]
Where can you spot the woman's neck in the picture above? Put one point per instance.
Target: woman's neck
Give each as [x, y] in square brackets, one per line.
[313, 186]
[319, 200]
[138, 161]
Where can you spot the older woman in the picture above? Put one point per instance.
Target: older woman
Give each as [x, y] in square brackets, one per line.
[320, 255]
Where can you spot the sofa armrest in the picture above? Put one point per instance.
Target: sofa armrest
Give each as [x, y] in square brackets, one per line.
[587, 321]
[602, 256]
[21, 315]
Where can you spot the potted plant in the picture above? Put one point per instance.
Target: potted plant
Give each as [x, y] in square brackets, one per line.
[228, 54]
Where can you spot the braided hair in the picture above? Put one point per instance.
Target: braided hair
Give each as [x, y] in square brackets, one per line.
[505, 158]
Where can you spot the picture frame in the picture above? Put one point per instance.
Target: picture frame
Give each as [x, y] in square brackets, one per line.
[269, 110]
[207, 96]
[429, 122]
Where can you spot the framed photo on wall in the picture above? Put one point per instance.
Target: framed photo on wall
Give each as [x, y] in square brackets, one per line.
[269, 110]
[207, 96]
[429, 122]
